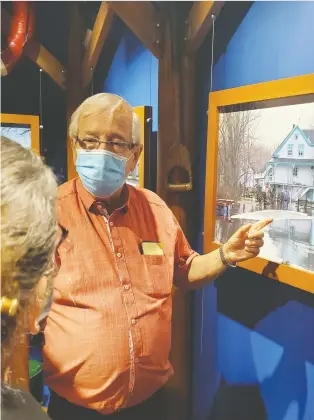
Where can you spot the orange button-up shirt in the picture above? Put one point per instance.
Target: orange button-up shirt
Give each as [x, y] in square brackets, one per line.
[107, 338]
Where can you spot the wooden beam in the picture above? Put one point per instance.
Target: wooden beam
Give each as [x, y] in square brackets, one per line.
[143, 20]
[46, 61]
[200, 22]
[100, 31]
[38, 54]
[74, 80]
[176, 87]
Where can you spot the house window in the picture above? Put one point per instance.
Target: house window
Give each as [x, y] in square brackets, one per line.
[290, 149]
[270, 174]
[301, 150]
[295, 171]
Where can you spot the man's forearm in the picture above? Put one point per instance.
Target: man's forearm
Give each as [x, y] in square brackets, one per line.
[205, 268]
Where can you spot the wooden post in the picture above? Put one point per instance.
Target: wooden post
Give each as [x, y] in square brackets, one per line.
[74, 74]
[176, 126]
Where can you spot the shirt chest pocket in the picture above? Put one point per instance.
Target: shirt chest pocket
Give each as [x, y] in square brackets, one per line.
[158, 280]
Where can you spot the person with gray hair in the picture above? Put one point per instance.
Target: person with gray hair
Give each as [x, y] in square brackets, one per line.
[108, 335]
[28, 242]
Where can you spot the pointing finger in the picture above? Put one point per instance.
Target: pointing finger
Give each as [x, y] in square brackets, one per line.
[261, 224]
[243, 231]
[253, 234]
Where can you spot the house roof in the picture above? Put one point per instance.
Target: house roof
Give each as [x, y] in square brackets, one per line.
[310, 135]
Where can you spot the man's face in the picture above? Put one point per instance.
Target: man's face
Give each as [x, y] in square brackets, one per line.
[99, 127]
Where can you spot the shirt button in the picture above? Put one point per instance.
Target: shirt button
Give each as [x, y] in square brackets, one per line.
[119, 255]
[133, 321]
[111, 224]
[126, 287]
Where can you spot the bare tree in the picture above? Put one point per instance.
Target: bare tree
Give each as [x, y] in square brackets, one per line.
[21, 134]
[239, 154]
[6, 131]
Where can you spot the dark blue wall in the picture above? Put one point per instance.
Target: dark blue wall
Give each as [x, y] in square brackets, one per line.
[253, 338]
[256, 360]
[274, 41]
[134, 74]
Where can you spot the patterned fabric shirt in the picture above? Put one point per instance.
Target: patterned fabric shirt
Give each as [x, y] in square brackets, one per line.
[107, 338]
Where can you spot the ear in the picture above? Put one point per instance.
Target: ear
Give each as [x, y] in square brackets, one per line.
[74, 154]
[137, 153]
[35, 306]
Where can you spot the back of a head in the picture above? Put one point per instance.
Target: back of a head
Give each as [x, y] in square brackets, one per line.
[28, 224]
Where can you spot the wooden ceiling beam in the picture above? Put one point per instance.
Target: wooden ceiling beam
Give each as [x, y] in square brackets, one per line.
[199, 23]
[143, 20]
[96, 42]
[38, 54]
[46, 61]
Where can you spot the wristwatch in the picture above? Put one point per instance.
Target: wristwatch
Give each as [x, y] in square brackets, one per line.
[223, 258]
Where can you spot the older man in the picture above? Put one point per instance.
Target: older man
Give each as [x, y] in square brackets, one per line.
[108, 334]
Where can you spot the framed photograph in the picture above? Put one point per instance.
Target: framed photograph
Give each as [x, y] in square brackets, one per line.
[260, 163]
[141, 176]
[24, 129]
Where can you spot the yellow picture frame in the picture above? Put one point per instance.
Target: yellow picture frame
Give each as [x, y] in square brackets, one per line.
[273, 93]
[31, 120]
[145, 115]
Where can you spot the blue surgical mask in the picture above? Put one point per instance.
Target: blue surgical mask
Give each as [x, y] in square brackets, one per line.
[101, 172]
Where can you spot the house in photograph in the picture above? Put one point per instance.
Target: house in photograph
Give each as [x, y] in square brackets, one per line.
[291, 167]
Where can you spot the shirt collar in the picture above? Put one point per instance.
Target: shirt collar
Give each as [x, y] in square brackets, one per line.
[90, 202]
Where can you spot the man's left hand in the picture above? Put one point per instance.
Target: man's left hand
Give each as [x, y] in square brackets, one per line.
[246, 242]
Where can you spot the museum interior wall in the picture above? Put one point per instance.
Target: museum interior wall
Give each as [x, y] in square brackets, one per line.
[253, 341]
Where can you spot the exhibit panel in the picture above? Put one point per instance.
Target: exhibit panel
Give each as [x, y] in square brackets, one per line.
[141, 176]
[260, 164]
[23, 129]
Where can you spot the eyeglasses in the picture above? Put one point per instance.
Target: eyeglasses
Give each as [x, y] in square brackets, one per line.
[115, 146]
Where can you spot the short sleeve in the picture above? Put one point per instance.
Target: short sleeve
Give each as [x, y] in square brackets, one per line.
[183, 257]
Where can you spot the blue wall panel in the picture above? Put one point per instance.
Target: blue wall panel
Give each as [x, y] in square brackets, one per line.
[274, 41]
[275, 354]
[134, 74]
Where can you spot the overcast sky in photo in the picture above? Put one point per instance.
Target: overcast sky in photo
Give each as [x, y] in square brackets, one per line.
[21, 135]
[274, 124]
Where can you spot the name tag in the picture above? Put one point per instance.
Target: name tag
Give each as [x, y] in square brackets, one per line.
[152, 248]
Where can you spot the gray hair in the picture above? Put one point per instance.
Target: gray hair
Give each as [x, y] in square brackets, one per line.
[28, 218]
[100, 102]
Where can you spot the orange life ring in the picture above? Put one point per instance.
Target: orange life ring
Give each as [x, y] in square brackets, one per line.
[22, 30]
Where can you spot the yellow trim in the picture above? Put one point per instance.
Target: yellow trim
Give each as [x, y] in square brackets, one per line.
[71, 170]
[296, 88]
[32, 120]
[140, 111]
